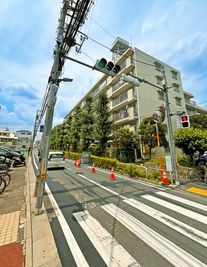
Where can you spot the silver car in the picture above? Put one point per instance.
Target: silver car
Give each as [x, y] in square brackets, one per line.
[56, 160]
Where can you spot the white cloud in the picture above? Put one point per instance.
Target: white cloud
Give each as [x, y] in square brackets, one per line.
[153, 23]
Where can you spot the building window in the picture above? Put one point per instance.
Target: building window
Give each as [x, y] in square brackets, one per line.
[159, 80]
[161, 95]
[123, 65]
[121, 98]
[117, 85]
[100, 87]
[158, 66]
[123, 113]
[178, 101]
[176, 87]
[174, 74]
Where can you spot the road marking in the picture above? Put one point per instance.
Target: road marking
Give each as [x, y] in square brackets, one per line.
[179, 226]
[110, 250]
[185, 201]
[103, 187]
[125, 178]
[197, 190]
[191, 214]
[172, 253]
[73, 245]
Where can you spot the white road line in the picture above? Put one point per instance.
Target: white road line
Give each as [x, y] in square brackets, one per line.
[184, 201]
[191, 214]
[73, 245]
[113, 254]
[172, 253]
[103, 187]
[134, 181]
[190, 232]
[34, 161]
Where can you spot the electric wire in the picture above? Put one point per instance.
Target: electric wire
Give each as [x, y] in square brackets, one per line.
[102, 27]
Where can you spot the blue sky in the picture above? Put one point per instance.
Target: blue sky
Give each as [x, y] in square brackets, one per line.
[173, 31]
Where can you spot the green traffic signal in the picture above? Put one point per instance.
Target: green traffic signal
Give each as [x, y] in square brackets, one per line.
[102, 63]
[107, 67]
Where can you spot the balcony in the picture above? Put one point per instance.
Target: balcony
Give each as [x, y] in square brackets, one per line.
[120, 88]
[190, 103]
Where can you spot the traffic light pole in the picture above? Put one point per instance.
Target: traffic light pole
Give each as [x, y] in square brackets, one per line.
[170, 131]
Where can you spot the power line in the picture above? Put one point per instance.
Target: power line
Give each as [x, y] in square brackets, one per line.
[149, 64]
[202, 102]
[102, 27]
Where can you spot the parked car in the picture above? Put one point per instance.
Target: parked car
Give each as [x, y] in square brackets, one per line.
[56, 160]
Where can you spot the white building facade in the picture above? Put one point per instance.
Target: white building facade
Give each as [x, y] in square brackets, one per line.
[130, 104]
[24, 139]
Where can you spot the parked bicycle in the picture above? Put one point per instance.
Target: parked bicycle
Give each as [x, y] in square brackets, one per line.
[2, 184]
[6, 176]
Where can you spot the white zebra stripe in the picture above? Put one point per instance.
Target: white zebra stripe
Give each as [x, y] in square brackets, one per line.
[179, 226]
[172, 253]
[191, 214]
[73, 245]
[113, 254]
[184, 201]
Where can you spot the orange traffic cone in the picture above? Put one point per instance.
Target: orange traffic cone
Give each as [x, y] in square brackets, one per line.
[112, 174]
[165, 180]
[93, 169]
[78, 163]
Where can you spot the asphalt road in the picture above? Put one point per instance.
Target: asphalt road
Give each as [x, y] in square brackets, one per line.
[98, 222]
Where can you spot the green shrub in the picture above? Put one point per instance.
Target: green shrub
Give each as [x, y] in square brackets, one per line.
[154, 175]
[74, 156]
[184, 160]
[105, 163]
[131, 170]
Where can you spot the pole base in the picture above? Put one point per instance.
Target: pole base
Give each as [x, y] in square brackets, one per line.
[39, 211]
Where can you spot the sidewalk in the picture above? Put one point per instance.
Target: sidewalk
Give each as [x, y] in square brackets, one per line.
[25, 239]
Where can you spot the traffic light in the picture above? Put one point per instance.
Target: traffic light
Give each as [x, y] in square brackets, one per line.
[107, 67]
[185, 123]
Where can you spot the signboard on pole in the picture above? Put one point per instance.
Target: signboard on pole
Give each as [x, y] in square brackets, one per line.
[168, 163]
[41, 128]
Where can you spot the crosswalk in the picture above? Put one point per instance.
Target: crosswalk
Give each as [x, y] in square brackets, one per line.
[185, 246]
[156, 228]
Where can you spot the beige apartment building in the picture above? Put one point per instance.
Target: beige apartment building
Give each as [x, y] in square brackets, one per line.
[129, 104]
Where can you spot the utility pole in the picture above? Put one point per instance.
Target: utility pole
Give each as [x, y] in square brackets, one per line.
[52, 91]
[72, 17]
[170, 130]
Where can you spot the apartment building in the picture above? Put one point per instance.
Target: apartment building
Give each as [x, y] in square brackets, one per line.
[24, 138]
[191, 106]
[7, 138]
[130, 104]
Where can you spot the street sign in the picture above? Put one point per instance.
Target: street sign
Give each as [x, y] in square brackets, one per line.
[168, 163]
[41, 128]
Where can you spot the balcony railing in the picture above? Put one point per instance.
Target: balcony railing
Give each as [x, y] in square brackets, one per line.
[190, 102]
[117, 85]
[120, 116]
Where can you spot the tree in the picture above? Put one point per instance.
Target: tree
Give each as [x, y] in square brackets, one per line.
[67, 128]
[87, 124]
[147, 131]
[75, 129]
[125, 142]
[103, 124]
[198, 121]
[191, 140]
[56, 137]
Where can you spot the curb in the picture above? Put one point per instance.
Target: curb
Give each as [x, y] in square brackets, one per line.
[40, 248]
